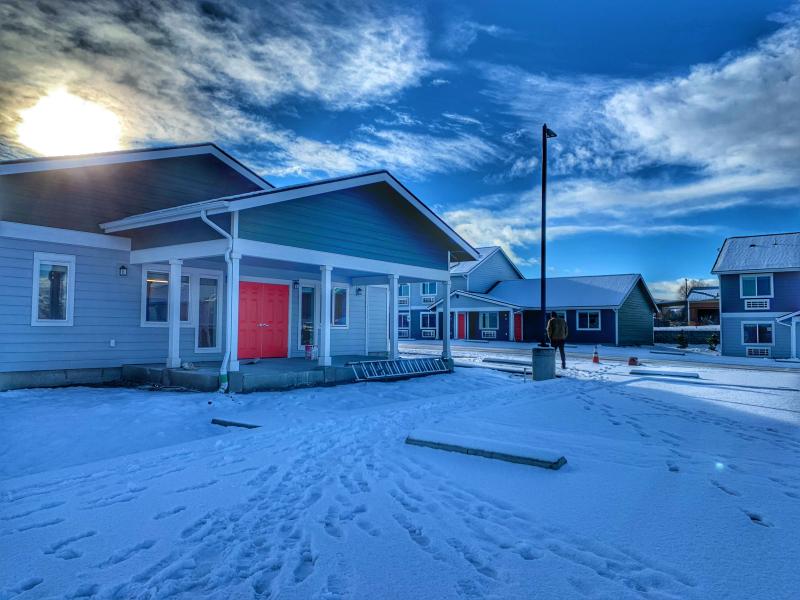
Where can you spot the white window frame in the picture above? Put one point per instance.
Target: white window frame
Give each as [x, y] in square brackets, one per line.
[435, 314]
[312, 284]
[481, 318]
[756, 303]
[743, 276]
[194, 285]
[400, 287]
[489, 334]
[435, 285]
[578, 320]
[346, 288]
[185, 272]
[407, 313]
[66, 260]
[428, 333]
[757, 323]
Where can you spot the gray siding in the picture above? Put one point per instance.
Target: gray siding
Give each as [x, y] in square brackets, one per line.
[489, 272]
[371, 221]
[106, 307]
[378, 314]
[636, 318]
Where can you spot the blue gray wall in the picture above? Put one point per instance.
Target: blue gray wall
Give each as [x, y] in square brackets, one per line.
[786, 292]
[731, 334]
[636, 318]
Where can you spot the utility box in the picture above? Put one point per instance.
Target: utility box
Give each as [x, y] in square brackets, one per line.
[544, 363]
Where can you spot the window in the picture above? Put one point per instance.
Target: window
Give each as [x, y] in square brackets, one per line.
[757, 333]
[589, 320]
[52, 301]
[488, 320]
[404, 290]
[340, 312]
[429, 288]
[156, 297]
[429, 320]
[403, 320]
[755, 286]
[208, 306]
[307, 312]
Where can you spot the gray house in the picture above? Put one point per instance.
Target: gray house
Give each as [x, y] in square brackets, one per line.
[759, 282]
[163, 256]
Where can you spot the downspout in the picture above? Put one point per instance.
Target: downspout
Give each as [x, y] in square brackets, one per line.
[223, 367]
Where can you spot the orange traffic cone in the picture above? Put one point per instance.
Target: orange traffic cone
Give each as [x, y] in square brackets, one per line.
[595, 357]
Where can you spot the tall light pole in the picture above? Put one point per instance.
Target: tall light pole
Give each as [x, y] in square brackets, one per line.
[546, 133]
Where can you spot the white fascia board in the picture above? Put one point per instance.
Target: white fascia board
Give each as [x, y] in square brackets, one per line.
[748, 271]
[166, 215]
[192, 250]
[752, 315]
[340, 261]
[475, 297]
[39, 233]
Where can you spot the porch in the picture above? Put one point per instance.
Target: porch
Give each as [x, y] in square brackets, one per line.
[252, 376]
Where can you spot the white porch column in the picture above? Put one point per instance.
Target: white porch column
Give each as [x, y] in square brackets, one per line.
[394, 351]
[233, 361]
[325, 317]
[446, 324]
[174, 313]
[511, 332]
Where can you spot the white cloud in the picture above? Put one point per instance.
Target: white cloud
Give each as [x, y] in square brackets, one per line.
[461, 33]
[462, 119]
[668, 289]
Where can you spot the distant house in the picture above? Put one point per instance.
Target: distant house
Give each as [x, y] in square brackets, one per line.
[759, 280]
[607, 309]
[161, 256]
[416, 320]
[703, 305]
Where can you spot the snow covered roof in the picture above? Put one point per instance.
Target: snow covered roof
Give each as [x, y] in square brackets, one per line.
[772, 252]
[462, 268]
[702, 294]
[568, 292]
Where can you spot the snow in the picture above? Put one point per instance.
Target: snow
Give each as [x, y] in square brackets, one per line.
[674, 488]
[688, 328]
[575, 292]
[759, 253]
[467, 266]
[703, 294]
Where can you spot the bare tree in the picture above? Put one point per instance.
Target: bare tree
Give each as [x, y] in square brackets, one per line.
[686, 287]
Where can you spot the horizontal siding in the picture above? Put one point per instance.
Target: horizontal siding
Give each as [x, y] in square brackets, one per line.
[731, 334]
[371, 221]
[786, 292]
[636, 318]
[533, 326]
[489, 272]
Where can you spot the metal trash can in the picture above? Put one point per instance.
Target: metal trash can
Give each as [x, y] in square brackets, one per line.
[544, 363]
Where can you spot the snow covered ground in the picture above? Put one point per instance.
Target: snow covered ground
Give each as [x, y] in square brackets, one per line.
[674, 488]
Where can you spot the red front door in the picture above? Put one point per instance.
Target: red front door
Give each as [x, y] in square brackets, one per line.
[518, 327]
[263, 320]
[462, 326]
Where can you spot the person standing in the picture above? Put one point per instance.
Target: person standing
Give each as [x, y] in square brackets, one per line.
[558, 331]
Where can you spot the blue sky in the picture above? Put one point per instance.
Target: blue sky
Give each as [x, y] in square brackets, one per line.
[678, 122]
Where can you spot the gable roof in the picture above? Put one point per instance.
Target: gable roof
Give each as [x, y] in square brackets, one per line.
[592, 291]
[703, 294]
[484, 253]
[226, 204]
[113, 185]
[753, 253]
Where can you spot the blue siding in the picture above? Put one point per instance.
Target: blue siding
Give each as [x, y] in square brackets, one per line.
[476, 333]
[371, 221]
[532, 326]
[636, 318]
[786, 292]
[731, 333]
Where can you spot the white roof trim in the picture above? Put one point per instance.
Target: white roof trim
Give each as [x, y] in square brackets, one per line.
[89, 160]
[484, 258]
[56, 235]
[476, 296]
[788, 316]
[277, 195]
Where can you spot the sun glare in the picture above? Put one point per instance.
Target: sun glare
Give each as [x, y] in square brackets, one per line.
[62, 123]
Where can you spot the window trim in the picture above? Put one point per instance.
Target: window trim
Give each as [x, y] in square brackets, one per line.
[185, 272]
[742, 277]
[400, 294]
[756, 323]
[435, 291]
[194, 285]
[488, 312]
[407, 314]
[435, 316]
[346, 288]
[578, 320]
[67, 260]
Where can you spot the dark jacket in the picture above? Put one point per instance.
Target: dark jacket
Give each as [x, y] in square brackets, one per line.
[557, 329]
